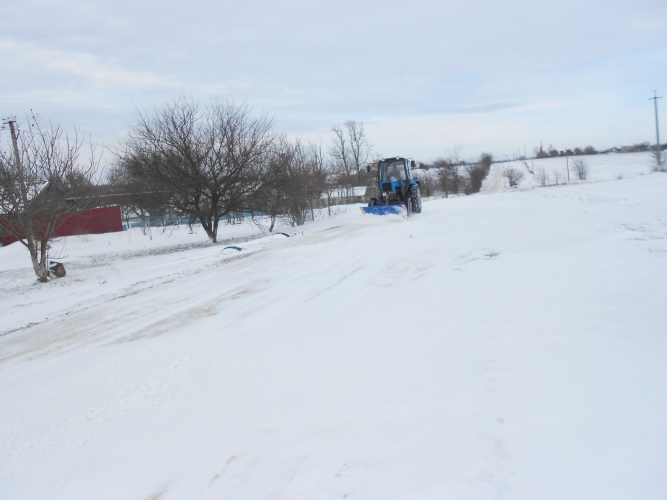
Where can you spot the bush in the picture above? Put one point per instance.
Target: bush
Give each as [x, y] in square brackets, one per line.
[513, 175]
[449, 176]
[427, 184]
[455, 175]
[542, 176]
[580, 168]
[476, 173]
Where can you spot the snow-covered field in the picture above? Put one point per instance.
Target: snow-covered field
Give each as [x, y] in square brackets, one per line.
[503, 345]
[555, 170]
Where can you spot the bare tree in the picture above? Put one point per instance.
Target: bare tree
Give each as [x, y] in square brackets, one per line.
[455, 154]
[41, 180]
[450, 170]
[542, 176]
[455, 175]
[448, 176]
[137, 196]
[350, 152]
[427, 184]
[332, 181]
[297, 179]
[538, 152]
[580, 167]
[197, 162]
[513, 175]
[316, 181]
[477, 172]
[360, 148]
[272, 198]
[340, 152]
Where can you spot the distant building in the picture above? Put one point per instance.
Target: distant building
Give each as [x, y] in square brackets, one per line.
[343, 196]
[95, 221]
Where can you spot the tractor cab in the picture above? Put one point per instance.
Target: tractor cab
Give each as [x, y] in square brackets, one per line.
[395, 187]
[392, 174]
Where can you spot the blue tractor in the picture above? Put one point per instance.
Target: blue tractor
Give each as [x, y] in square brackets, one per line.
[398, 192]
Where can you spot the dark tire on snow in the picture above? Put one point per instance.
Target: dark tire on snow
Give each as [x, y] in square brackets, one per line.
[415, 199]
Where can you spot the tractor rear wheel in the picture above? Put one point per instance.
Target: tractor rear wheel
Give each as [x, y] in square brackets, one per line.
[416, 199]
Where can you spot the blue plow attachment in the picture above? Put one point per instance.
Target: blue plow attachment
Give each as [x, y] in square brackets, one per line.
[386, 210]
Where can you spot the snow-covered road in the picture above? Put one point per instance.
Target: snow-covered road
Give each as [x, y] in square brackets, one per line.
[495, 182]
[501, 346]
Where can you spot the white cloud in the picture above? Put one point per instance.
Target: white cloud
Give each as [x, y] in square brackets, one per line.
[94, 70]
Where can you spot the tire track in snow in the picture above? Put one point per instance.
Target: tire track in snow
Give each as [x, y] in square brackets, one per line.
[121, 316]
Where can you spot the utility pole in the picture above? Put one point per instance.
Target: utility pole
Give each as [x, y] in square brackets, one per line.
[12, 131]
[567, 164]
[657, 129]
[17, 157]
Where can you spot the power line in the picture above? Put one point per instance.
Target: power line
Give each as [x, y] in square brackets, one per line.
[6, 121]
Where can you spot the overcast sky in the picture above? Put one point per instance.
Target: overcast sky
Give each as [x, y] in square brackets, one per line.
[422, 76]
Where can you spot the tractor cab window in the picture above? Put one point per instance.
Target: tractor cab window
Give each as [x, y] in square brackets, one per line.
[392, 171]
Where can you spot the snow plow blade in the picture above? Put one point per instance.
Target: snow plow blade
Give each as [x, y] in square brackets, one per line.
[385, 210]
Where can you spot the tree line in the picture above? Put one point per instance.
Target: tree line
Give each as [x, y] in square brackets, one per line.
[194, 161]
[551, 152]
[203, 162]
[454, 175]
[210, 162]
